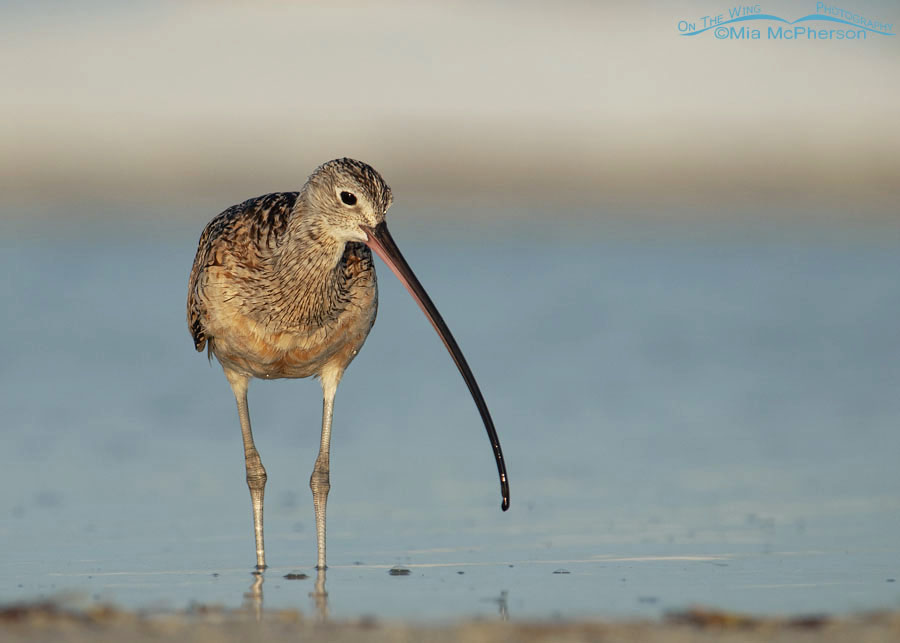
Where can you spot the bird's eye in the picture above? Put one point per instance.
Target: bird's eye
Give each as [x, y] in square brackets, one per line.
[348, 198]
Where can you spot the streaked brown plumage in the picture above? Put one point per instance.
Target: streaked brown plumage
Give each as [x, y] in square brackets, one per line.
[251, 299]
[284, 285]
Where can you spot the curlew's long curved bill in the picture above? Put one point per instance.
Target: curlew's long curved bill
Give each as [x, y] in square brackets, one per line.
[380, 240]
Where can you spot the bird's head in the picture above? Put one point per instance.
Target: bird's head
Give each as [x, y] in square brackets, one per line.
[350, 199]
[350, 196]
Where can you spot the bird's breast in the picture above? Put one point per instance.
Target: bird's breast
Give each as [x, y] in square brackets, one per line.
[280, 341]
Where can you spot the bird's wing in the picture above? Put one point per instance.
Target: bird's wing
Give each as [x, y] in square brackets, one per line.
[254, 224]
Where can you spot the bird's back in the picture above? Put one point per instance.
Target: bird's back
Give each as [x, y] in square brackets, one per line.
[244, 237]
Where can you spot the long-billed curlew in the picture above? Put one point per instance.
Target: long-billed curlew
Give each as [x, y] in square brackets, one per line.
[283, 285]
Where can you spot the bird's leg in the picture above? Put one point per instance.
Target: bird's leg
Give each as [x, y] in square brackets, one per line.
[256, 473]
[319, 481]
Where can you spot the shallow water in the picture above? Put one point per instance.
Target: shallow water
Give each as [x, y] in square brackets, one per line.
[688, 415]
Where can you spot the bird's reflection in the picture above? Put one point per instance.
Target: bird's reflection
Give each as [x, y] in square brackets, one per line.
[253, 597]
[502, 604]
[320, 596]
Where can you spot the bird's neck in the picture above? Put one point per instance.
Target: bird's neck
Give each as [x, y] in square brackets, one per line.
[307, 266]
[309, 240]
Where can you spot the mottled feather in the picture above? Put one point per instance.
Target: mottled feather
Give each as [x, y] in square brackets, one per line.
[256, 225]
[273, 294]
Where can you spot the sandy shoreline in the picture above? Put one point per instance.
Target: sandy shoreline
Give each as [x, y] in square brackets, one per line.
[48, 622]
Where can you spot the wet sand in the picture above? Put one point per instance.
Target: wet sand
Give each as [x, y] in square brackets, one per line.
[49, 622]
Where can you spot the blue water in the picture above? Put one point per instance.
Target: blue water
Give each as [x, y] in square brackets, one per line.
[689, 415]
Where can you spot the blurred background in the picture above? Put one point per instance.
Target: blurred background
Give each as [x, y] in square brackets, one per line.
[671, 262]
[585, 107]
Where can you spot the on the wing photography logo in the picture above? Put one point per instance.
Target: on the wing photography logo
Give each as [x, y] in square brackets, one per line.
[749, 22]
